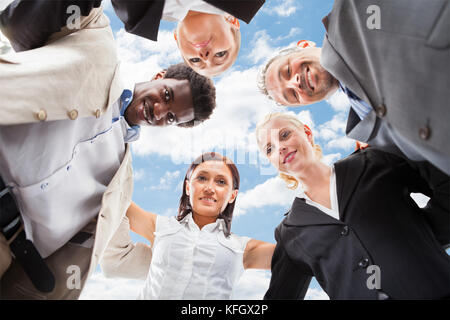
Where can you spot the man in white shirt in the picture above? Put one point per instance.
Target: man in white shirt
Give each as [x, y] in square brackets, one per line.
[66, 122]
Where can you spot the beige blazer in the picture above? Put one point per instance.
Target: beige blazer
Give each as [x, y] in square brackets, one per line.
[74, 75]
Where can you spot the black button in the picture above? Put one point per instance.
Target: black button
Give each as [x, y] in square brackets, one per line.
[344, 231]
[380, 111]
[424, 133]
[363, 263]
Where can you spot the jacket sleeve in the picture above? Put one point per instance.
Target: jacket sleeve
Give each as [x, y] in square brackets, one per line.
[28, 24]
[424, 178]
[141, 18]
[123, 258]
[289, 279]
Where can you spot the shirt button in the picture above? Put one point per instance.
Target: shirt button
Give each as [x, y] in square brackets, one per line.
[344, 231]
[73, 114]
[41, 115]
[424, 133]
[380, 111]
[363, 263]
[97, 113]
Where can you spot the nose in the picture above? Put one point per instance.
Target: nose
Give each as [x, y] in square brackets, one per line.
[204, 53]
[295, 80]
[209, 189]
[160, 110]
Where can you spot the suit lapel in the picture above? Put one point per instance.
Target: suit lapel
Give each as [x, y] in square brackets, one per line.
[348, 173]
[303, 214]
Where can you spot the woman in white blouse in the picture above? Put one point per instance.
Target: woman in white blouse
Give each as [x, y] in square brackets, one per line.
[354, 225]
[195, 255]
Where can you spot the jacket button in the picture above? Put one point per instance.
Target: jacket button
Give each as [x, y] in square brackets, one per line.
[424, 133]
[363, 263]
[97, 113]
[344, 231]
[73, 114]
[41, 115]
[380, 111]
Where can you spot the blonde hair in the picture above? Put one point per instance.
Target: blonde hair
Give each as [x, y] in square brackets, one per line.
[291, 181]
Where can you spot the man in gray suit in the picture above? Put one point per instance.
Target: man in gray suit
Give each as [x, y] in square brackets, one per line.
[392, 59]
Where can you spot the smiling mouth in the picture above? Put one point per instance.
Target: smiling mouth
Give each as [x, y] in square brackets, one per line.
[201, 44]
[289, 157]
[148, 113]
[309, 79]
[208, 199]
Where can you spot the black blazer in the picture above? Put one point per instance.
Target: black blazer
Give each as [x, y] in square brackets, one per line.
[29, 23]
[379, 225]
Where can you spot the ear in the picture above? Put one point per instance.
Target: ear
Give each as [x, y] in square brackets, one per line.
[232, 20]
[308, 132]
[159, 75]
[306, 44]
[187, 187]
[233, 196]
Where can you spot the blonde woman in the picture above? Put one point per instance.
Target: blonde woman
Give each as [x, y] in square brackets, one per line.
[354, 226]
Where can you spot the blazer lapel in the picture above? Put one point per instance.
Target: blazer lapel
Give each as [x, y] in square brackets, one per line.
[348, 173]
[303, 214]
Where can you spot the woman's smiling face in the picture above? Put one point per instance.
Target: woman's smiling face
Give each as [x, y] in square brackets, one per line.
[210, 188]
[287, 146]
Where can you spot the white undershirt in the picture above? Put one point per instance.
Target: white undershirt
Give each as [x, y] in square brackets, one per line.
[176, 10]
[334, 211]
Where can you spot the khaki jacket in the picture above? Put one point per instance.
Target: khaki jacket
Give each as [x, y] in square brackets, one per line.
[74, 75]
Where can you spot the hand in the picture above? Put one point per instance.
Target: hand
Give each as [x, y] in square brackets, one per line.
[361, 145]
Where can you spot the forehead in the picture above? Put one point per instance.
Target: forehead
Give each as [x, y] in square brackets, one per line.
[274, 81]
[213, 167]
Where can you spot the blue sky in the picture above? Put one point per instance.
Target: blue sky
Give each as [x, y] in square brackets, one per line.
[162, 156]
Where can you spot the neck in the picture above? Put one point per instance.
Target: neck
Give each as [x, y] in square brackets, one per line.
[315, 179]
[202, 221]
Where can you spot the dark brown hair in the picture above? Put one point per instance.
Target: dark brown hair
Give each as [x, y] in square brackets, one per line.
[185, 205]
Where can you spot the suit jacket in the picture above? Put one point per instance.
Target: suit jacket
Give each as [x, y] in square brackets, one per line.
[141, 18]
[401, 70]
[379, 225]
[49, 79]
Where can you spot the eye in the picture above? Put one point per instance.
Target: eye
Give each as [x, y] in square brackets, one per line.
[221, 182]
[285, 134]
[170, 117]
[221, 53]
[194, 60]
[166, 95]
[201, 178]
[268, 150]
[289, 70]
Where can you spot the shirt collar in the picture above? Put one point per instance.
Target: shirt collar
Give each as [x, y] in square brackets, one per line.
[133, 132]
[188, 220]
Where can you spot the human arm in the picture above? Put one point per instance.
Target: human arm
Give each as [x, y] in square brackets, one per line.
[142, 222]
[258, 254]
[123, 258]
[28, 24]
[289, 280]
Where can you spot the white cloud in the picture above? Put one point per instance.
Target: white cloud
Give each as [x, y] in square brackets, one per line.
[165, 182]
[339, 101]
[316, 294]
[252, 285]
[98, 287]
[284, 9]
[258, 196]
[138, 174]
[293, 32]
[262, 49]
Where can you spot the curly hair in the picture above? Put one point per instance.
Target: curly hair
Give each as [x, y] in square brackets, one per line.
[202, 89]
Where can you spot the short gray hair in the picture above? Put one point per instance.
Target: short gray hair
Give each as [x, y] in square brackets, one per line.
[261, 80]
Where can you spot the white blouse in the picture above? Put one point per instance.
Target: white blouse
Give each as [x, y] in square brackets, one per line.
[189, 263]
[334, 211]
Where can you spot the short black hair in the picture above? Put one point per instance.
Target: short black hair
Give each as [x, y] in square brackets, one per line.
[202, 89]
